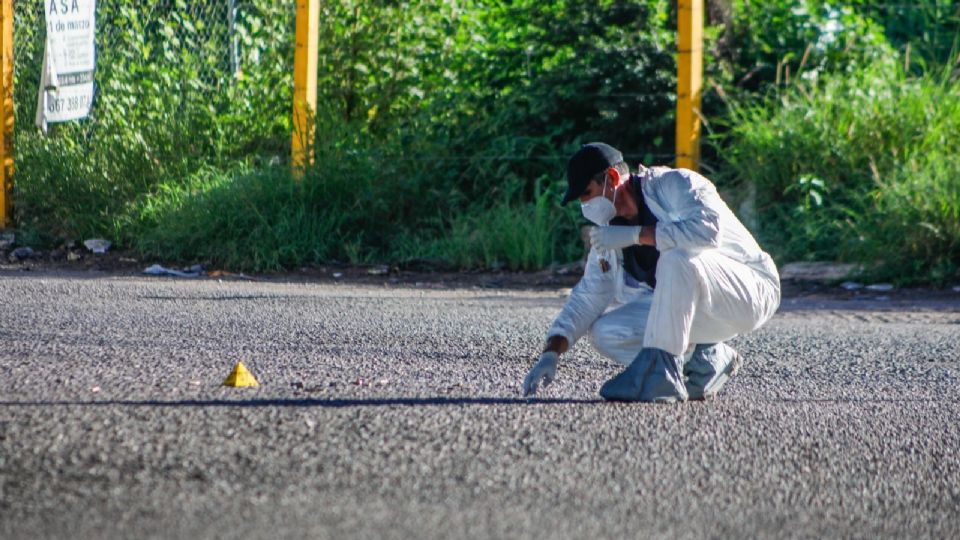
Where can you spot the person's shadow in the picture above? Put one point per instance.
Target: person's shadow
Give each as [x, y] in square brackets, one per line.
[333, 403]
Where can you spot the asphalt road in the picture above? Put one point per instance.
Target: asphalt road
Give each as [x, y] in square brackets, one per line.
[393, 412]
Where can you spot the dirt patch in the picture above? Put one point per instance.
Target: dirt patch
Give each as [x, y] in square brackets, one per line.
[797, 294]
[77, 263]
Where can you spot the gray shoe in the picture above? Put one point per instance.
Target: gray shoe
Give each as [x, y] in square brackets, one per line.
[654, 375]
[710, 367]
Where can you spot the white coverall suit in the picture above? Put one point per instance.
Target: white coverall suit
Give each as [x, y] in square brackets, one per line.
[712, 280]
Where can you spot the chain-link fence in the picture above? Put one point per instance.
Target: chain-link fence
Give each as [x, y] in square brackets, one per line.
[180, 86]
[170, 52]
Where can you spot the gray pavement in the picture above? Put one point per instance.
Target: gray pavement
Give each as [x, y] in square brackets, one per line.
[393, 412]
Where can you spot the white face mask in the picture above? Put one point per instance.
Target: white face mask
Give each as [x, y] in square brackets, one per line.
[600, 210]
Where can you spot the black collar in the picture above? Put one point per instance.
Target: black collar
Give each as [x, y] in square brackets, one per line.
[644, 215]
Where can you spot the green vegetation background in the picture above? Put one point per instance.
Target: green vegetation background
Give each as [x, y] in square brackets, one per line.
[443, 129]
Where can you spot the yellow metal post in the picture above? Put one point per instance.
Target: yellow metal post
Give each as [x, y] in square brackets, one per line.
[6, 112]
[305, 83]
[689, 81]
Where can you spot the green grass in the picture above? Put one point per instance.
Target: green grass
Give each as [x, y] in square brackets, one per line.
[915, 223]
[265, 220]
[256, 221]
[511, 233]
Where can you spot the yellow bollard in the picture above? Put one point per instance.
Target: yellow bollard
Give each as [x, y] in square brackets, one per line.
[689, 81]
[6, 112]
[305, 84]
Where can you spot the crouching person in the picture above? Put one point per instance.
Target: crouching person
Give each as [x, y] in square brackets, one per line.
[671, 275]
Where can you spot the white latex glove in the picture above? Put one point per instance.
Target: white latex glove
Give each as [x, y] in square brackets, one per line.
[614, 237]
[544, 370]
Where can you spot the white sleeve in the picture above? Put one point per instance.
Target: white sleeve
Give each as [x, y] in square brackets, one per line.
[690, 202]
[588, 299]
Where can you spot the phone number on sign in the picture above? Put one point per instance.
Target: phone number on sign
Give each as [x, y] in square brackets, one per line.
[68, 104]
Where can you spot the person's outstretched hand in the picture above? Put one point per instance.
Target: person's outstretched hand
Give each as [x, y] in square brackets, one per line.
[545, 371]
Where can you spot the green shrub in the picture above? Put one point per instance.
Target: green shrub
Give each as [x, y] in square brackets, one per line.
[511, 233]
[266, 219]
[930, 27]
[856, 167]
[915, 223]
[773, 42]
[260, 220]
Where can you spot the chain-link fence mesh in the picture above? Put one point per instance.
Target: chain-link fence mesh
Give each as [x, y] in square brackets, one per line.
[181, 87]
[174, 51]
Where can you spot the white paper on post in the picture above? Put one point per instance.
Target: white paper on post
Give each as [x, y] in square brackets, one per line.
[69, 61]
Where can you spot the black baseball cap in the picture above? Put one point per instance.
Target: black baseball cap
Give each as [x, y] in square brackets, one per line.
[590, 160]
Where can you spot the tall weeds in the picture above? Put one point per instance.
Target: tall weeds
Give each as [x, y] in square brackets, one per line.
[859, 166]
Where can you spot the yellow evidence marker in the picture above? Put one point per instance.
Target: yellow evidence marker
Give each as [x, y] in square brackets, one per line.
[240, 377]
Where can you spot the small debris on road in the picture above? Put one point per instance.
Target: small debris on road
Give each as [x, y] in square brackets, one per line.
[851, 286]
[20, 254]
[158, 270]
[97, 245]
[880, 287]
[7, 241]
[225, 274]
[817, 271]
[380, 270]
[567, 269]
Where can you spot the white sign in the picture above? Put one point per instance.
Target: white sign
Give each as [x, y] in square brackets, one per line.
[69, 61]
